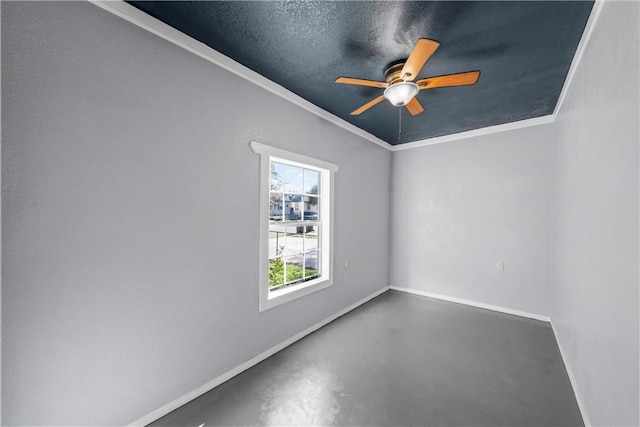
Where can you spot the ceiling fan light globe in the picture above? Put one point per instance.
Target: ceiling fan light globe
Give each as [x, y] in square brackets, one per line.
[400, 94]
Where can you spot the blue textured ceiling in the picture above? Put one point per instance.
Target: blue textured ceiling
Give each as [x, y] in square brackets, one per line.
[523, 49]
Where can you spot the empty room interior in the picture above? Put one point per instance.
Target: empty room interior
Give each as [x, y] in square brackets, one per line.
[320, 213]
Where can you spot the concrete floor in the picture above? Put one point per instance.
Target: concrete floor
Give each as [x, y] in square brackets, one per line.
[401, 360]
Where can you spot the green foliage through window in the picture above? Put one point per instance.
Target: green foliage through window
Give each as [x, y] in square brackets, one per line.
[294, 272]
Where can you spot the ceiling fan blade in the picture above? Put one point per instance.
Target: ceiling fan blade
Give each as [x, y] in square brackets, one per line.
[368, 105]
[421, 52]
[414, 106]
[361, 82]
[460, 79]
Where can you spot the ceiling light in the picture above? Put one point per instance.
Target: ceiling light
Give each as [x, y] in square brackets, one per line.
[400, 94]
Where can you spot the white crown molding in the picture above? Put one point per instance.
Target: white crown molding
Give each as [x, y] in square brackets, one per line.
[584, 40]
[159, 28]
[476, 132]
[582, 45]
[141, 19]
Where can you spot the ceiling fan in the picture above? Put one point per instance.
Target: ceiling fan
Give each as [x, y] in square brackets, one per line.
[399, 87]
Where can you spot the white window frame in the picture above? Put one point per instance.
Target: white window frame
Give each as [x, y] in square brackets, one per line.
[269, 299]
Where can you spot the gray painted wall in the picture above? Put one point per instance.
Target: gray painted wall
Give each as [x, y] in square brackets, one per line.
[559, 204]
[460, 207]
[129, 209]
[595, 287]
[130, 232]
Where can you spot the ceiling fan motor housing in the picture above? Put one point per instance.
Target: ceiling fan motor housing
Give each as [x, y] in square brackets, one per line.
[392, 75]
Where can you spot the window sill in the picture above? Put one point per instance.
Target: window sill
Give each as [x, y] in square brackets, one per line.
[284, 295]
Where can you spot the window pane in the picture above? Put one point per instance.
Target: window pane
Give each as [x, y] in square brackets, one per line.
[276, 272]
[295, 240]
[311, 266]
[293, 205]
[285, 240]
[276, 240]
[311, 238]
[275, 207]
[310, 208]
[294, 268]
[276, 179]
[311, 181]
[292, 179]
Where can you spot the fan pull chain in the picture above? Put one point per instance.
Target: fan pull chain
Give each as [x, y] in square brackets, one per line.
[399, 124]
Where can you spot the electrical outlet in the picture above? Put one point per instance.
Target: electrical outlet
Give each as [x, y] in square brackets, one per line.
[500, 265]
[346, 263]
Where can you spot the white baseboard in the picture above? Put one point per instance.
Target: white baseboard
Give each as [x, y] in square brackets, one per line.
[188, 397]
[474, 304]
[572, 378]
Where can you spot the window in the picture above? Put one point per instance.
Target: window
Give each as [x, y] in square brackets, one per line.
[296, 213]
